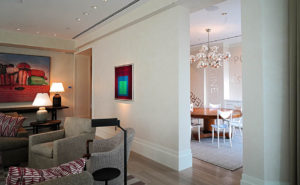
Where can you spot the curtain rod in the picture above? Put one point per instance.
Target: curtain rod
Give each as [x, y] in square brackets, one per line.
[216, 40]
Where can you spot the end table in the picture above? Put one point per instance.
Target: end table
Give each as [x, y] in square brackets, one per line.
[49, 123]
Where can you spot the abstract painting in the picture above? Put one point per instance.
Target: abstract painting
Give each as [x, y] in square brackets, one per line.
[23, 76]
[123, 82]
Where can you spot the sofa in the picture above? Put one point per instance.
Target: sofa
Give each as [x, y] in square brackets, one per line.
[14, 150]
[51, 149]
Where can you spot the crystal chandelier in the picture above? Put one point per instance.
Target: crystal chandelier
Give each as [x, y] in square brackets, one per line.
[209, 56]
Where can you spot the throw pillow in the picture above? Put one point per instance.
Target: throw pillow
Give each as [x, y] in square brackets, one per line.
[9, 125]
[26, 176]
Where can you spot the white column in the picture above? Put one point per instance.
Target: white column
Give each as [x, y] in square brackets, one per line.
[265, 92]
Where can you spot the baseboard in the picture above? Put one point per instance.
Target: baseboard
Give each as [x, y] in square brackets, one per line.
[249, 180]
[163, 155]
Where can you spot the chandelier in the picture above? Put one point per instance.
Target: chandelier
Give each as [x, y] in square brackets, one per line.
[209, 56]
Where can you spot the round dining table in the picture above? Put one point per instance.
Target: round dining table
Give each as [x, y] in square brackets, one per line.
[209, 116]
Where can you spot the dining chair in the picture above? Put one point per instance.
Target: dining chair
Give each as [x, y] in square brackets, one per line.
[226, 116]
[214, 106]
[199, 124]
[237, 123]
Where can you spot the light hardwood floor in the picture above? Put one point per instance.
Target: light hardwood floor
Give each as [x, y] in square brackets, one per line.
[201, 173]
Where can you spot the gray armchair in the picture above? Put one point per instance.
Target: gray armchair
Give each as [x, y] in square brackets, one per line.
[79, 179]
[110, 153]
[14, 150]
[54, 148]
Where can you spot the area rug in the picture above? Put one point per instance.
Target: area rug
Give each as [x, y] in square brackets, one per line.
[225, 157]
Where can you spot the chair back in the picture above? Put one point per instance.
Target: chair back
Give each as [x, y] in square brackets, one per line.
[226, 115]
[191, 107]
[214, 106]
[75, 126]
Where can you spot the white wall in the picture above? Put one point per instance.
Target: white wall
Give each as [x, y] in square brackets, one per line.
[158, 46]
[235, 72]
[265, 94]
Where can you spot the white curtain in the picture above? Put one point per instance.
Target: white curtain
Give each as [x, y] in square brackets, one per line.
[294, 64]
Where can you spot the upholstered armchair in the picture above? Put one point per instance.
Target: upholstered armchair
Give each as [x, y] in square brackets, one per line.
[54, 148]
[110, 153]
[14, 150]
[79, 179]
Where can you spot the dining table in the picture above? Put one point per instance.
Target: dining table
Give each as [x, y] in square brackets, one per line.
[209, 115]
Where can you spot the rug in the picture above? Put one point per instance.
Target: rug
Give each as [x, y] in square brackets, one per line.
[225, 157]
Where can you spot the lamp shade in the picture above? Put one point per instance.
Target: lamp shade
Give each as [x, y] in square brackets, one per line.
[57, 87]
[42, 99]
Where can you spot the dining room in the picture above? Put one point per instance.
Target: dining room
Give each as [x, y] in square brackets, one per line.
[216, 85]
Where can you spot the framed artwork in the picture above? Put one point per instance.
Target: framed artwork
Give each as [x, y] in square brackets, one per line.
[23, 76]
[123, 82]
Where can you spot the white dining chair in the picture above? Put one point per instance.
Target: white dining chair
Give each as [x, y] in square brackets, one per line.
[214, 106]
[199, 124]
[226, 116]
[237, 123]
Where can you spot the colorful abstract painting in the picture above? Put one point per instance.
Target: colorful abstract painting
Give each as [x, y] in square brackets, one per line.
[23, 76]
[123, 82]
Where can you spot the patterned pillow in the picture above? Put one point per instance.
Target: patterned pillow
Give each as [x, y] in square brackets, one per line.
[25, 176]
[9, 125]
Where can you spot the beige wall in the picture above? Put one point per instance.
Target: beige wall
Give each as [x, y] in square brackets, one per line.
[61, 70]
[82, 87]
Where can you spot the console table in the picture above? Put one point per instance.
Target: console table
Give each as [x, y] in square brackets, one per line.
[52, 109]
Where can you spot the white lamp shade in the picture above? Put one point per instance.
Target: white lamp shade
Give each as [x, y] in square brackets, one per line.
[57, 87]
[42, 99]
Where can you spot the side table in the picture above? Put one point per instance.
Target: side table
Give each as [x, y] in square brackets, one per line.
[106, 174]
[49, 123]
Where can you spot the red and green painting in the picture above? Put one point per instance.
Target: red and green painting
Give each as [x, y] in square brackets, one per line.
[123, 82]
[23, 76]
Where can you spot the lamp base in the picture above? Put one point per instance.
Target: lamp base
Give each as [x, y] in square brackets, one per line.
[41, 115]
[56, 100]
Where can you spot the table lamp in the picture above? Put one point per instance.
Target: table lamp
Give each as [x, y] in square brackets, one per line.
[116, 123]
[42, 100]
[56, 88]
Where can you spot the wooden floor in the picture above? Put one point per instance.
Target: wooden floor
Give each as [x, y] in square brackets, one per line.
[201, 173]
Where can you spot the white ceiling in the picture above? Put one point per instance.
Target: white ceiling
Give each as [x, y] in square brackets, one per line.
[55, 18]
[223, 26]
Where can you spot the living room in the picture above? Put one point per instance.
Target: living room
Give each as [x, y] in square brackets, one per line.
[154, 37]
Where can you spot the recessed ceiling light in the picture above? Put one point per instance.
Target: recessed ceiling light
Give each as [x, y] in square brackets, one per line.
[85, 13]
[94, 7]
[224, 13]
[105, 0]
[78, 19]
[18, 29]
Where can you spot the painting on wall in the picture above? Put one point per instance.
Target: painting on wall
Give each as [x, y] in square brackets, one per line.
[123, 82]
[23, 76]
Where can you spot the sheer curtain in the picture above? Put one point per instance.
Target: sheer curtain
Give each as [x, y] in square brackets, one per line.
[294, 64]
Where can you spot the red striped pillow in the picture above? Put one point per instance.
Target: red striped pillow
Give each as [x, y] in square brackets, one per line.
[26, 176]
[9, 125]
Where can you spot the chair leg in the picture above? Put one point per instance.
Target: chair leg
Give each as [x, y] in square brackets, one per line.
[230, 137]
[224, 135]
[213, 135]
[241, 131]
[218, 131]
[199, 133]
